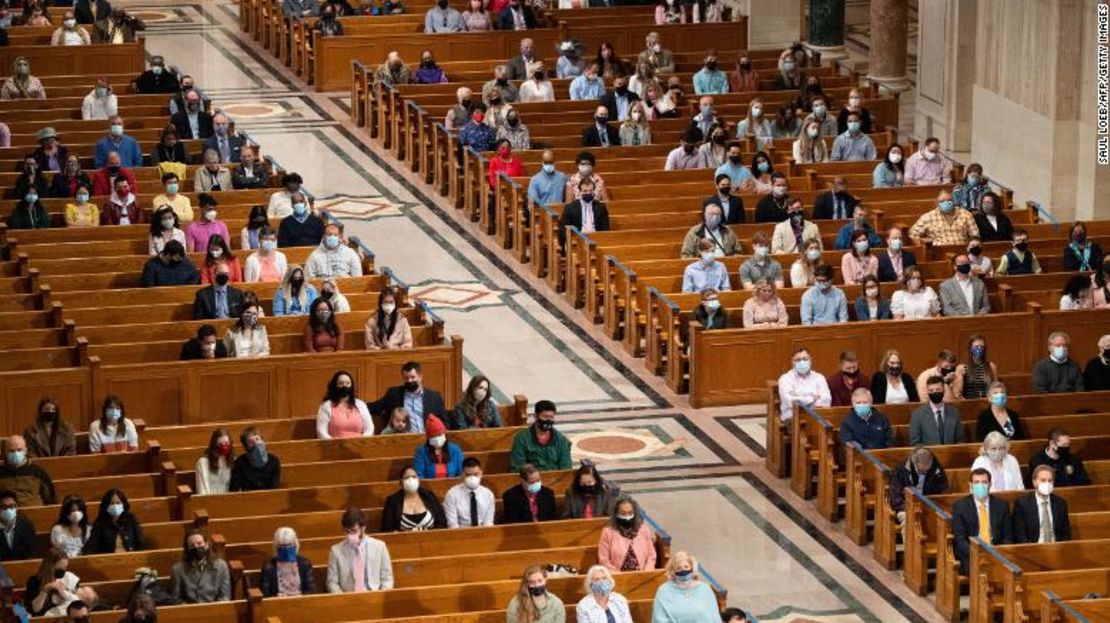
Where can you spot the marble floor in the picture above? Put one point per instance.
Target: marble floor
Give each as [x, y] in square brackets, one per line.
[698, 473]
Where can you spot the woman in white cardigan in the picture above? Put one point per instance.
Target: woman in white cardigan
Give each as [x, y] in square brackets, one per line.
[600, 598]
[995, 457]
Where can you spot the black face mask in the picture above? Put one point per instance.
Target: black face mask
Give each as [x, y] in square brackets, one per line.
[601, 120]
[1064, 452]
[936, 397]
[688, 149]
[545, 425]
[465, 103]
[975, 251]
[711, 65]
[946, 371]
[297, 282]
[1106, 354]
[719, 139]
[746, 66]
[342, 392]
[412, 386]
[734, 159]
[724, 190]
[113, 169]
[221, 279]
[1022, 246]
[428, 63]
[537, 591]
[621, 91]
[588, 489]
[502, 81]
[894, 370]
[625, 523]
[796, 218]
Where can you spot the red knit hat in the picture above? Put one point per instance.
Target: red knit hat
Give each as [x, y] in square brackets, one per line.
[434, 427]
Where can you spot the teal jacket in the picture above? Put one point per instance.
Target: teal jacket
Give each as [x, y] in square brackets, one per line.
[526, 449]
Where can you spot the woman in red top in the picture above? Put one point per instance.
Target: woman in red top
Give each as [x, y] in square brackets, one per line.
[322, 333]
[342, 415]
[503, 161]
[219, 254]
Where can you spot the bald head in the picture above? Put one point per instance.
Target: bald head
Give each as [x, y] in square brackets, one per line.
[15, 443]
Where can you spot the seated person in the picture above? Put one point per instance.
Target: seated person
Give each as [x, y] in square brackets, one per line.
[50, 434]
[417, 400]
[255, 469]
[438, 458]
[709, 312]
[476, 408]
[20, 474]
[979, 514]
[170, 268]
[387, 328]
[865, 425]
[923, 472]
[360, 562]
[824, 303]
[19, 542]
[113, 431]
[200, 577]
[935, 422]
[115, 525]
[842, 386]
[707, 272]
[343, 414]
[1058, 372]
[294, 570]
[765, 309]
[529, 501]
[1056, 454]
[540, 444]
[1019, 260]
[301, 228]
[204, 346]
[463, 499]
[1041, 516]
[761, 265]
[713, 229]
[871, 305]
[322, 334]
[998, 418]
[994, 456]
[412, 508]
[584, 213]
[218, 300]
[333, 258]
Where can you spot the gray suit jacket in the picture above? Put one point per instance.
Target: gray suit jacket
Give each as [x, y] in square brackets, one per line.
[341, 559]
[923, 427]
[953, 302]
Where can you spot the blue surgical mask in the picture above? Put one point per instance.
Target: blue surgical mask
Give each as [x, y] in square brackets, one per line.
[112, 413]
[300, 209]
[1059, 353]
[864, 411]
[548, 168]
[601, 587]
[946, 206]
[853, 126]
[116, 129]
[331, 241]
[31, 197]
[684, 575]
[998, 400]
[8, 515]
[17, 458]
[802, 366]
[978, 351]
[268, 245]
[82, 198]
[286, 553]
[896, 244]
[980, 490]
[115, 510]
[533, 487]
[171, 187]
[764, 166]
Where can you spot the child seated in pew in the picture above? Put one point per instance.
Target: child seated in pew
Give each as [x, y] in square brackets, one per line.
[438, 458]
[113, 431]
[399, 422]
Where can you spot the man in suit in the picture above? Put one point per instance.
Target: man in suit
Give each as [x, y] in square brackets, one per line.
[790, 235]
[516, 17]
[17, 533]
[936, 422]
[519, 65]
[529, 501]
[193, 122]
[417, 400]
[585, 213]
[619, 100]
[732, 207]
[963, 294]
[968, 513]
[601, 134]
[836, 203]
[218, 300]
[893, 261]
[1041, 516]
[249, 173]
[229, 146]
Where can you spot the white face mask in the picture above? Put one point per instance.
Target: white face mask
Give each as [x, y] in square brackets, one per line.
[896, 158]
[388, 307]
[411, 484]
[437, 441]
[480, 394]
[1045, 489]
[472, 482]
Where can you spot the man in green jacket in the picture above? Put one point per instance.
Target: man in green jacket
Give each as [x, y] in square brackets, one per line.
[540, 444]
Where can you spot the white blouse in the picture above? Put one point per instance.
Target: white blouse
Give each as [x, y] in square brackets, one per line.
[896, 395]
[209, 483]
[588, 610]
[921, 304]
[1006, 477]
[242, 344]
[66, 542]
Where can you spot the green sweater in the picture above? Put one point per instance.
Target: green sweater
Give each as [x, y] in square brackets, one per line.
[553, 456]
[553, 612]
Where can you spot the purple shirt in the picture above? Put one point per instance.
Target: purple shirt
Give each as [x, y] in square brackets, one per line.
[198, 233]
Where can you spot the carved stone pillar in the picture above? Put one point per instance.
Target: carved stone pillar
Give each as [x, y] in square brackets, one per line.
[889, 30]
[826, 29]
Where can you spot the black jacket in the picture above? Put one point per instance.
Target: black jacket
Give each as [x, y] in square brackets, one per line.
[59, 186]
[988, 233]
[771, 210]
[1070, 472]
[592, 138]
[160, 153]
[878, 387]
[572, 215]
[306, 234]
[609, 101]
[191, 350]
[987, 424]
[166, 82]
[44, 161]
[391, 513]
[735, 211]
[905, 475]
[514, 508]
[1073, 262]
[886, 268]
[823, 205]
[1027, 518]
[240, 181]
[395, 397]
[23, 541]
[269, 582]
[180, 121]
[204, 303]
[92, 12]
[1096, 376]
[965, 524]
[505, 22]
[102, 537]
[247, 477]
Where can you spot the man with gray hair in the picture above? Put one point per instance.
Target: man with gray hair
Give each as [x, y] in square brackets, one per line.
[865, 425]
[922, 472]
[509, 91]
[1058, 372]
[229, 146]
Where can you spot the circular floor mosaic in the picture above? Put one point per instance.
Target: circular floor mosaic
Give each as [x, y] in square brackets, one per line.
[616, 444]
[152, 16]
[254, 110]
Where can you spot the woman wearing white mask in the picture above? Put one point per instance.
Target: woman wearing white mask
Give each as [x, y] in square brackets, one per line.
[413, 507]
[437, 458]
[810, 147]
[71, 530]
[994, 456]
[635, 129]
[387, 328]
[891, 172]
[802, 270]
[342, 414]
[113, 432]
[476, 408]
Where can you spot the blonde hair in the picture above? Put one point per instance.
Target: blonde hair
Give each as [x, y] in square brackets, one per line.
[816, 146]
[526, 607]
[679, 557]
[993, 440]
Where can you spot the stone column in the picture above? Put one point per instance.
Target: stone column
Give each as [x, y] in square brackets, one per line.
[772, 24]
[826, 29]
[889, 31]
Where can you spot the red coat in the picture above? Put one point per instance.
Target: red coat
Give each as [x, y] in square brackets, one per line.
[841, 393]
[102, 182]
[512, 168]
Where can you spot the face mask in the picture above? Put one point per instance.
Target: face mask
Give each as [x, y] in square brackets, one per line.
[936, 397]
[116, 129]
[996, 455]
[861, 245]
[626, 520]
[250, 319]
[895, 244]
[946, 206]
[763, 166]
[688, 148]
[1080, 237]
[1059, 353]
[221, 129]
[1064, 452]
[813, 255]
[480, 394]
[963, 269]
[537, 591]
[223, 448]
[69, 23]
[713, 304]
[873, 292]
[812, 132]
[587, 197]
[929, 155]
[998, 400]
[1022, 246]
[894, 370]
[788, 66]
[1045, 489]
[412, 386]
[437, 441]
[171, 188]
[167, 223]
[156, 70]
[115, 510]
[802, 366]
[734, 159]
[258, 455]
[601, 120]
[819, 110]
[853, 127]
[210, 215]
[221, 279]
[31, 197]
[864, 411]
[286, 553]
[685, 575]
[987, 207]
[601, 587]
[895, 158]
[192, 106]
[198, 553]
[8, 515]
[16, 458]
[637, 115]
[585, 169]
[761, 251]
[548, 168]
[268, 245]
[824, 286]
[300, 209]
[978, 351]
[410, 484]
[980, 490]
[914, 284]
[778, 191]
[112, 413]
[707, 258]
[545, 425]
[472, 482]
[655, 47]
[976, 250]
[533, 487]
[331, 241]
[388, 307]
[1106, 353]
[76, 516]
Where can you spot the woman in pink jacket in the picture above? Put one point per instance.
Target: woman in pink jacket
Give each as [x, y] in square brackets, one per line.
[627, 543]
